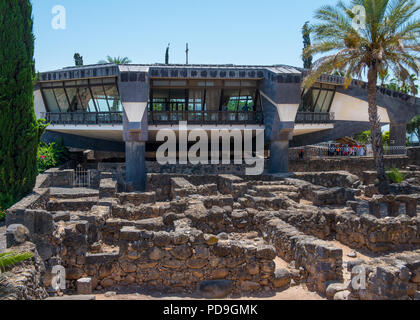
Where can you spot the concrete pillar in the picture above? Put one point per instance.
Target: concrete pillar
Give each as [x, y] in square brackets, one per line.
[135, 160]
[279, 156]
[398, 134]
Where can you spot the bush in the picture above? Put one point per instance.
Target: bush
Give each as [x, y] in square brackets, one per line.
[395, 175]
[2, 214]
[51, 155]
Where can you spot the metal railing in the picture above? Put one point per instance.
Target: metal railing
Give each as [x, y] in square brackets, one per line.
[322, 151]
[206, 117]
[81, 177]
[156, 117]
[80, 118]
[315, 117]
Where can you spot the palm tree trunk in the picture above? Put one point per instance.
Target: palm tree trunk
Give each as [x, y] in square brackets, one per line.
[378, 150]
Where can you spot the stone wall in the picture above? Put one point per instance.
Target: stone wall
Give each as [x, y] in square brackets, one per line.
[354, 165]
[320, 261]
[191, 232]
[414, 155]
[393, 277]
[24, 280]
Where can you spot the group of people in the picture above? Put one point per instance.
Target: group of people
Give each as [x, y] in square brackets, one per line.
[346, 150]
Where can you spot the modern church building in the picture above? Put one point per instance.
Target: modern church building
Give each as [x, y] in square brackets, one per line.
[121, 108]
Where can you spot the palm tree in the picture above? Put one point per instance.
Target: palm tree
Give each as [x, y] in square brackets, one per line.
[115, 60]
[388, 39]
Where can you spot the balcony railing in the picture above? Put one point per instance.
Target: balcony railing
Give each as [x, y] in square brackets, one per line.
[315, 117]
[155, 117]
[83, 118]
[206, 117]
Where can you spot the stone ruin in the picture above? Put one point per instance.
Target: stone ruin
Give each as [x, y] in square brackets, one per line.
[219, 236]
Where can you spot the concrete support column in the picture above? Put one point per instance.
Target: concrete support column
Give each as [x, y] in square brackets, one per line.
[135, 160]
[398, 134]
[279, 156]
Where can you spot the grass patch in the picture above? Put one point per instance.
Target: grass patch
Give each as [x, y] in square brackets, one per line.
[395, 175]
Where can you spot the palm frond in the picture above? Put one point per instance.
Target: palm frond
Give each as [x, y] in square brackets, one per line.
[12, 258]
[389, 40]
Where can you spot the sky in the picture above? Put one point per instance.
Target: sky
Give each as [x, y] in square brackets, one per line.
[262, 32]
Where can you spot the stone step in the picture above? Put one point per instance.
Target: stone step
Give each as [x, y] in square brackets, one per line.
[275, 188]
[72, 193]
[73, 298]
[83, 204]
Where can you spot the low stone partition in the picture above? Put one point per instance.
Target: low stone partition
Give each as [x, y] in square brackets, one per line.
[329, 179]
[321, 262]
[137, 198]
[353, 165]
[414, 155]
[369, 177]
[24, 280]
[393, 277]
[174, 261]
[377, 235]
[38, 199]
[395, 205]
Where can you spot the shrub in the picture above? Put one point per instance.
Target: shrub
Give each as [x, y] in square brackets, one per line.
[2, 214]
[395, 175]
[51, 155]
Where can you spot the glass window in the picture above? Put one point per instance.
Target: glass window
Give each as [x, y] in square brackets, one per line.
[50, 100]
[213, 99]
[100, 99]
[327, 103]
[74, 100]
[230, 100]
[195, 102]
[160, 100]
[60, 94]
[320, 101]
[316, 100]
[113, 98]
[77, 97]
[238, 100]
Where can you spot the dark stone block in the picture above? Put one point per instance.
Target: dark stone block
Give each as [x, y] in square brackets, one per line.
[216, 289]
[16, 234]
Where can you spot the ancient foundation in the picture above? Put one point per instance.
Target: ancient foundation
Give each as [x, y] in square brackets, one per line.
[222, 236]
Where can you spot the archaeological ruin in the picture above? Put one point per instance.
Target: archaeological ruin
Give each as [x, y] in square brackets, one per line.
[219, 236]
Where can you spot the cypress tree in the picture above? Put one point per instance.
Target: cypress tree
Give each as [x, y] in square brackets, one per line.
[167, 54]
[19, 129]
[306, 33]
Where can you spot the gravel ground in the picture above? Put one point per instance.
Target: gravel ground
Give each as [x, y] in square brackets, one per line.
[2, 236]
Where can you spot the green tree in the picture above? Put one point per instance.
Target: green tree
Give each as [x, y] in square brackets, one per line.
[167, 54]
[116, 60]
[386, 40]
[19, 130]
[385, 138]
[363, 137]
[413, 127]
[402, 86]
[78, 59]
[306, 33]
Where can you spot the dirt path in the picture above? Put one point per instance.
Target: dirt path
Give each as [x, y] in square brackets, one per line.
[293, 293]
